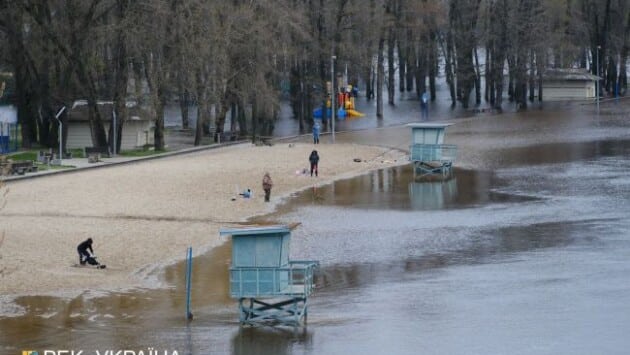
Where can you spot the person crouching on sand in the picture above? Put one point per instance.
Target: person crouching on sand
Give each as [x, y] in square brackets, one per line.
[83, 248]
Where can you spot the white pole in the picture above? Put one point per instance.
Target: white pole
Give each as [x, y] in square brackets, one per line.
[60, 132]
[597, 87]
[332, 94]
[114, 131]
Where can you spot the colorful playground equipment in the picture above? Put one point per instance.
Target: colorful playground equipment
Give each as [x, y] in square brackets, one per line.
[428, 153]
[270, 288]
[344, 103]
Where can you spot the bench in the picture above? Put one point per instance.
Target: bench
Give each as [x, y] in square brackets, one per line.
[226, 137]
[263, 140]
[94, 154]
[21, 167]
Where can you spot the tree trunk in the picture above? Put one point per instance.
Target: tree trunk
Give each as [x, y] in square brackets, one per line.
[410, 60]
[23, 83]
[380, 73]
[202, 108]
[402, 59]
[488, 93]
[433, 64]
[183, 105]
[120, 84]
[153, 72]
[532, 75]
[477, 78]
[448, 67]
[391, 71]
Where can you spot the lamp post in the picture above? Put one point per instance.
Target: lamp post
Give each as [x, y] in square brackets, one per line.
[332, 95]
[60, 132]
[598, 84]
[114, 131]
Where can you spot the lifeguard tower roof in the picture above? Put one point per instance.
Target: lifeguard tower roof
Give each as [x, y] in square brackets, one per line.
[429, 125]
[259, 231]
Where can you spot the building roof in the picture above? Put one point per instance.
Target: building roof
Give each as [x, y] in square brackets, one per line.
[430, 125]
[254, 230]
[568, 74]
[79, 111]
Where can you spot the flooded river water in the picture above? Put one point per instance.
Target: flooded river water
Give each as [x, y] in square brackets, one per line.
[531, 257]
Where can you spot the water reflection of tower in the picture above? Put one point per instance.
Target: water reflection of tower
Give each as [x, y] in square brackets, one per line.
[430, 195]
[272, 341]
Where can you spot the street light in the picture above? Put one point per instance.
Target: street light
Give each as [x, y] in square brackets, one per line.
[598, 84]
[60, 132]
[114, 130]
[332, 94]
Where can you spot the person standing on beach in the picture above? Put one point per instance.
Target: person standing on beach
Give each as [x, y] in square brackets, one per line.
[424, 105]
[267, 184]
[314, 160]
[316, 132]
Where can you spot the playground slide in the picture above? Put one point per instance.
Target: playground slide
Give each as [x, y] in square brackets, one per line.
[354, 113]
[341, 113]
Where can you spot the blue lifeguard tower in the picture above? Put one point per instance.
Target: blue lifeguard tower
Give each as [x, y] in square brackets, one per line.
[428, 153]
[270, 288]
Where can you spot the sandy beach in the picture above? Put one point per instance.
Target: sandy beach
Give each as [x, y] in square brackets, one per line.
[143, 216]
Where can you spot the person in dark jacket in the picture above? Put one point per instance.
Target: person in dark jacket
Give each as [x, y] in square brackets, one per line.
[83, 251]
[314, 160]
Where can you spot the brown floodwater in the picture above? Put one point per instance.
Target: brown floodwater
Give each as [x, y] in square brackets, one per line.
[529, 256]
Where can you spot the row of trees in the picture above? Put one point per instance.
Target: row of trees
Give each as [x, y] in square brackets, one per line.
[226, 56]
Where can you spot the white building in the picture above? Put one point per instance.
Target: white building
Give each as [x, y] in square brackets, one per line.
[568, 84]
[137, 130]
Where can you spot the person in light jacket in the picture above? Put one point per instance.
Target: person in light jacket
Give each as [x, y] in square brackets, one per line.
[267, 184]
[316, 129]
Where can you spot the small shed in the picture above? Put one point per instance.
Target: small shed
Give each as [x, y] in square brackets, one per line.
[261, 269]
[137, 130]
[568, 84]
[428, 153]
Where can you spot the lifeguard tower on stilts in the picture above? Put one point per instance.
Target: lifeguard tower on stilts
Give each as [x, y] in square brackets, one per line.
[270, 288]
[430, 157]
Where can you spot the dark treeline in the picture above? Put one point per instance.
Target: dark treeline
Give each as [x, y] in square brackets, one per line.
[241, 56]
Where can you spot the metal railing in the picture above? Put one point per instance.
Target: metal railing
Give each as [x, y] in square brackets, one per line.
[433, 152]
[295, 279]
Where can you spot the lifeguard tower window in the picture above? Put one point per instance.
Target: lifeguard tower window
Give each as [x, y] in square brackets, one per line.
[251, 251]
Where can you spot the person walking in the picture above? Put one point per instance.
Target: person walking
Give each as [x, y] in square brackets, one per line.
[424, 105]
[267, 184]
[316, 128]
[314, 160]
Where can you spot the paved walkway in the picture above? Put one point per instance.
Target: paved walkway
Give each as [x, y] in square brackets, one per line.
[176, 146]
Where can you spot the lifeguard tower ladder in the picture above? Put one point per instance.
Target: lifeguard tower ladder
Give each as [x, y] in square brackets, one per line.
[270, 288]
[428, 153]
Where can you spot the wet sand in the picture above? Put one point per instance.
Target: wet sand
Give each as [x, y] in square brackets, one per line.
[144, 216]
